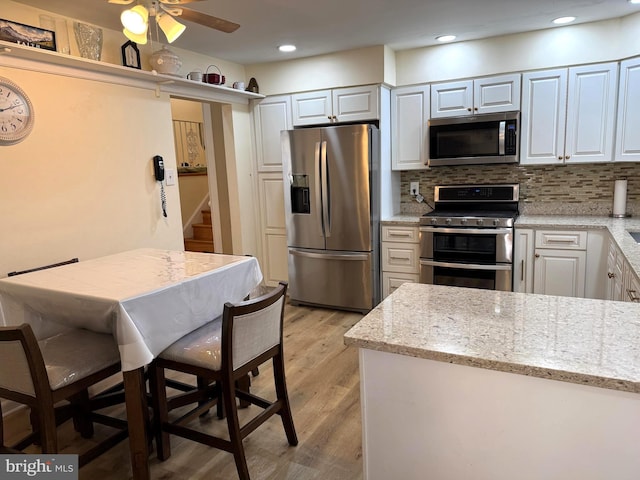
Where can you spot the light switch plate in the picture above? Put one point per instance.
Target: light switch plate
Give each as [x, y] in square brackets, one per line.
[170, 176]
[414, 188]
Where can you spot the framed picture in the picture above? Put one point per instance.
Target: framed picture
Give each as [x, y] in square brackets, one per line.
[22, 34]
[131, 55]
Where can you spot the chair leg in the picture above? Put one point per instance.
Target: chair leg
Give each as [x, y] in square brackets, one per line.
[158, 387]
[282, 395]
[82, 414]
[202, 384]
[244, 384]
[255, 372]
[1, 428]
[229, 399]
[47, 428]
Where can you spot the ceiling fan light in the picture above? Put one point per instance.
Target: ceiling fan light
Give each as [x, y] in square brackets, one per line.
[170, 26]
[135, 19]
[140, 39]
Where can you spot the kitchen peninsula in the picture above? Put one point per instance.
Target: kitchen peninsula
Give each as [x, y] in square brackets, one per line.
[463, 383]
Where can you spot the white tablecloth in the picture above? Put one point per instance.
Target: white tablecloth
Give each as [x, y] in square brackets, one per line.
[146, 298]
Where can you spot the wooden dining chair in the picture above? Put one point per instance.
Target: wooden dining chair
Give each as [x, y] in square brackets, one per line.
[225, 351]
[43, 373]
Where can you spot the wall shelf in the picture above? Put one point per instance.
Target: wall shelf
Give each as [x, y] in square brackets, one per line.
[44, 61]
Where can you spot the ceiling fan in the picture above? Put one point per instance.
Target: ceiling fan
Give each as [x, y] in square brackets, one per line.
[136, 19]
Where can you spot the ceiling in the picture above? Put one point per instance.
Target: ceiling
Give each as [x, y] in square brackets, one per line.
[319, 27]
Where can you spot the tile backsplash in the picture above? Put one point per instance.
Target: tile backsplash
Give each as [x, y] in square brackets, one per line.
[580, 189]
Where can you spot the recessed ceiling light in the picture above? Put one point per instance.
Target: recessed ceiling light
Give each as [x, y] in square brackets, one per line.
[563, 20]
[446, 38]
[287, 48]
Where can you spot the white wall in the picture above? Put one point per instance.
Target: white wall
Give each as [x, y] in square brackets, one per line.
[569, 45]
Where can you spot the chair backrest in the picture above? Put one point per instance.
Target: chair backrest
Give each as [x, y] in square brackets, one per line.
[22, 368]
[44, 267]
[252, 327]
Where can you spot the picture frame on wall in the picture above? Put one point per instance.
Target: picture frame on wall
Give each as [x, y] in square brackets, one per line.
[131, 55]
[28, 35]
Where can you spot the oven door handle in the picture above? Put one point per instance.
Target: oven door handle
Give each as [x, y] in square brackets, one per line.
[465, 266]
[463, 230]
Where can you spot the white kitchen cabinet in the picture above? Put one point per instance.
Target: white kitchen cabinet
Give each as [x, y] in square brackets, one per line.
[350, 104]
[615, 272]
[409, 117]
[483, 95]
[523, 251]
[560, 262]
[400, 251]
[632, 287]
[627, 138]
[272, 228]
[568, 115]
[271, 115]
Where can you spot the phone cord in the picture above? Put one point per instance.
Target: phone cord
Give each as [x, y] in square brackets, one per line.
[163, 200]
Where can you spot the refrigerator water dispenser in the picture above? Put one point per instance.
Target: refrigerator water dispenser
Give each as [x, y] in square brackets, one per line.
[300, 201]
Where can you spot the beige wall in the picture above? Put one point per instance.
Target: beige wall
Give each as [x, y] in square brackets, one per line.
[351, 67]
[82, 183]
[569, 45]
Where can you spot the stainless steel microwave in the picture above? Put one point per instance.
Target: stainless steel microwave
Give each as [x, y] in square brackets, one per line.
[474, 139]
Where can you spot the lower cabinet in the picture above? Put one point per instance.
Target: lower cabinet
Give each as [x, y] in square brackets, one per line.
[623, 284]
[550, 262]
[400, 251]
[559, 272]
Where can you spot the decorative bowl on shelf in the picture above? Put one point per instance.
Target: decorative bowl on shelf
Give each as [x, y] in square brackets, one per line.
[165, 61]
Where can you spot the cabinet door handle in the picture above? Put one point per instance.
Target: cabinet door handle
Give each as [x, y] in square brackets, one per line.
[522, 270]
[632, 296]
[611, 275]
[537, 255]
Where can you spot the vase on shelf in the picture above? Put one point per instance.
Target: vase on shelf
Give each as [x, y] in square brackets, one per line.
[165, 61]
[89, 39]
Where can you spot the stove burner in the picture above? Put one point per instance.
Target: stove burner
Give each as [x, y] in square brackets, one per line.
[461, 206]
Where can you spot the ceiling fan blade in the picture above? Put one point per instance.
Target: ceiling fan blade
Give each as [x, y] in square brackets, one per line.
[121, 2]
[209, 21]
[178, 2]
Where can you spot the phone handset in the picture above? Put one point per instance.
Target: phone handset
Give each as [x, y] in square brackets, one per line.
[158, 168]
[158, 171]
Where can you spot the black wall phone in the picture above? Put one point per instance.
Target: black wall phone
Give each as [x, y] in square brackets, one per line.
[158, 168]
[158, 171]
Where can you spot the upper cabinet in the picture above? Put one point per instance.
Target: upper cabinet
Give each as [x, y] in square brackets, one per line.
[568, 115]
[485, 95]
[627, 138]
[271, 115]
[409, 117]
[352, 104]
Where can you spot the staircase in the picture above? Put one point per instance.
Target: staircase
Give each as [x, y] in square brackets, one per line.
[202, 240]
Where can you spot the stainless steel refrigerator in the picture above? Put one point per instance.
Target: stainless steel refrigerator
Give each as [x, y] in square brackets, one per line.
[331, 180]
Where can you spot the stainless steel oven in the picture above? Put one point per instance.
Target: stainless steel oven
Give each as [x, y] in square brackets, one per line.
[467, 241]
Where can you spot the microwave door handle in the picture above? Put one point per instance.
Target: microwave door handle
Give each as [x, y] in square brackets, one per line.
[319, 181]
[326, 214]
[501, 132]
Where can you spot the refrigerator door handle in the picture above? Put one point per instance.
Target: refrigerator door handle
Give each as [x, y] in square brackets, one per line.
[324, 176]
[319, 183]
[330, 256]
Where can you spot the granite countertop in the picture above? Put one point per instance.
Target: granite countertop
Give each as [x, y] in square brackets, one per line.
[578, 340]
[408, 219]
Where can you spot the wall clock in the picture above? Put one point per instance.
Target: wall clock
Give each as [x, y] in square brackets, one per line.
[16, 113]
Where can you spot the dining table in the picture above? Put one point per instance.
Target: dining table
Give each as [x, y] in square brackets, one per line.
[146, 298]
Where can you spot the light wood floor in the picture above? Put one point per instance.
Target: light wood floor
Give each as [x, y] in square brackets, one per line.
[323, 382]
